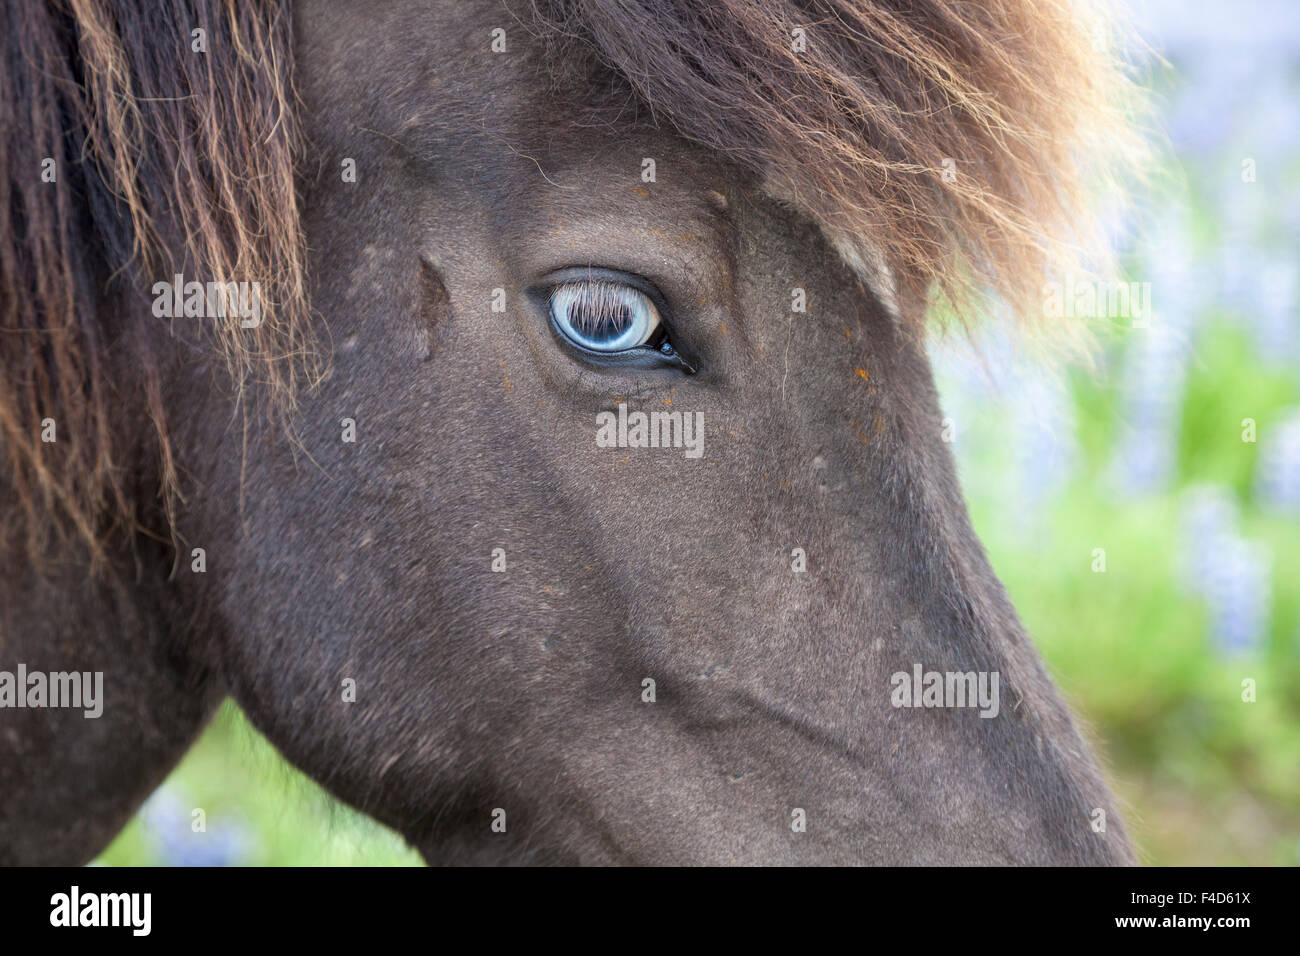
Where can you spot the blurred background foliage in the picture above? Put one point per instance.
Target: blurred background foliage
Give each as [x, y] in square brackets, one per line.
[1146, 456]
[1141, 456]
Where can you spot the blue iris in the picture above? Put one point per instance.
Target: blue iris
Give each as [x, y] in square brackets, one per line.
[603, 316]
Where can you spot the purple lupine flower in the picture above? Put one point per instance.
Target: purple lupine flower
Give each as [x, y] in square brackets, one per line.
[1155, 359]
[1042, 430]
[1207, 522]
[1239, 596]
[1012, 411]
[167, 818]
[1228, 572]
[1277, 320]
[1277, 478]
[1151, 408]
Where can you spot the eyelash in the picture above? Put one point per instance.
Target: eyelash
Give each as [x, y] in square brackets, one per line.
[604, 306]
[606, 289]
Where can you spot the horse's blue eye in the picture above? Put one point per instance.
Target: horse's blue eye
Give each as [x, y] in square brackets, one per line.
[603, 316]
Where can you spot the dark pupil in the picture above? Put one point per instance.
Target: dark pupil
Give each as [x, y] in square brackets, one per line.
[599, 321]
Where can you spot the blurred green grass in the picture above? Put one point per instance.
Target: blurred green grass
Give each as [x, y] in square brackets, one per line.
[1207, 778]
[283, 817]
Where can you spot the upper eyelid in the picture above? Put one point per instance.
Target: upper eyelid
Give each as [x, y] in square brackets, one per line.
[598, 286]
[601, 287]
[594, 274]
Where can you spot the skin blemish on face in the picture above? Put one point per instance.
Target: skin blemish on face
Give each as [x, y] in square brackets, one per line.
[435, 306]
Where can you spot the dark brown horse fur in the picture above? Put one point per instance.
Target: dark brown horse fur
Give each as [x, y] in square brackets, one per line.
[460, 611]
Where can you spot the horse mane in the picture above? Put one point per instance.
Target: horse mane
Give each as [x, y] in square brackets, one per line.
[951, 151]
[167, 161]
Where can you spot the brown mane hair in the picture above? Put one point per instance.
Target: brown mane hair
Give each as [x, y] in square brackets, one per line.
[1025, 99]
[172, 161]
[168, 160]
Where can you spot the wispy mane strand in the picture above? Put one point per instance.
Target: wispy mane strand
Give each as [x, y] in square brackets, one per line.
[129, 154]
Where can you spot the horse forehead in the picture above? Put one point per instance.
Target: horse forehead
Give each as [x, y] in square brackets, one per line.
[549, 152]
[401, 56]
[433, 78]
